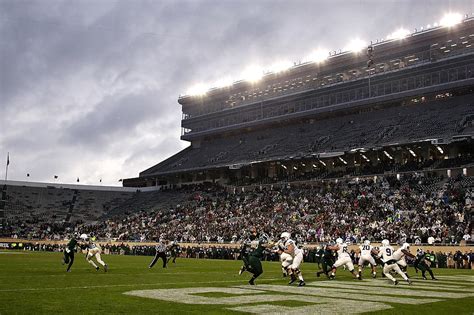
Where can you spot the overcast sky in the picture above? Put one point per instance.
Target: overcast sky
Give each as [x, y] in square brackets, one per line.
[89, 89]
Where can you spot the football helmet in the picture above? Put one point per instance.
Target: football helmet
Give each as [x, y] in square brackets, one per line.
[285, 236]
[366, 242]
[385, 242]
[84, 236]
[406, 246]
[339, 241]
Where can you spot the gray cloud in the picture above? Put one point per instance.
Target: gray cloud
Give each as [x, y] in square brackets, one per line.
[89, 88]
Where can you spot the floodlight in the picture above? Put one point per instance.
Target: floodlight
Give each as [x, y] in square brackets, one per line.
[223, 82]
[281, 66]
[198, 89]
[318, 56]
[252, 74]
[342, 160]
[399, 34]
[355, 45]
[451, 19]
[388, 155]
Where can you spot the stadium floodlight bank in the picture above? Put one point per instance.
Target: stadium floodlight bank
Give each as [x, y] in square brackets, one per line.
[394, 96]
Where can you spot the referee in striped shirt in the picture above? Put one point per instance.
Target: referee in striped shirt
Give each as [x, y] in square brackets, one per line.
[160, 253]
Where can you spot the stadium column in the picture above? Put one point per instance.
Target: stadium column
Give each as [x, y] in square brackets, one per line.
[253, 171]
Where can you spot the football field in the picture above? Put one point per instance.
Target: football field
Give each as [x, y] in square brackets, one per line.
[36, 283]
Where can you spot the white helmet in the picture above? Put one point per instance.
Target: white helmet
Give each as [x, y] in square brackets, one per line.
[84, 236]
[366, 242]
[339, 241]
[285, 235]
[406, 246]
[385, 242]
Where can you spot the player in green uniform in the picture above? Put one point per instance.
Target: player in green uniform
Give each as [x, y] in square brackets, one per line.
[258, 246]
[423, 262]
[174, 250]
[327, 260]
[69, 253]
[245, 250]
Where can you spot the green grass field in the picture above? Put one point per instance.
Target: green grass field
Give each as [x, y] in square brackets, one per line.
[36, 283]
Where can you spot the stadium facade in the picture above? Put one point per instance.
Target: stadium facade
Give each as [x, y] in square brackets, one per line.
[397, 105]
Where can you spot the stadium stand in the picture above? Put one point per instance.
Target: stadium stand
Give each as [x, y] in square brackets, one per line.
[410, 208]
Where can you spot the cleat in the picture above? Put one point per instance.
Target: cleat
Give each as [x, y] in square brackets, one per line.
[318, 274]
[242, 269]
[434, 278]
[424, 278]
[284, 275]
[96, 268]
[332, 277]
[106, 268]
[359, 278]
[251, 282]
[302, 283]
[409, 282]
[396, 282]
[374, 275]
[293, 279]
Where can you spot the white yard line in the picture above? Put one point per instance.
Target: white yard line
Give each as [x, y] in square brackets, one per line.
[244, 280]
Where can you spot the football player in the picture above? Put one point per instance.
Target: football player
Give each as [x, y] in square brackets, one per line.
[285, 258]
[386, 253]
[327, 259]
[423, 262]
[399, 256]
[366, 251]
[297, 254]
[174, 249]
[255, 256]
[93, 249]
[343, 259]
[69, 253]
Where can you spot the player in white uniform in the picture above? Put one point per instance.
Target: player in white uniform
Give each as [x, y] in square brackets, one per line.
[399, 256]
[343, 259]
[297, 254]
[285, 258]
[93, 250]
[366, 257]
[390, 263]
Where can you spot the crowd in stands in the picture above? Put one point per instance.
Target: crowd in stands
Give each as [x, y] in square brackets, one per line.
[414, 209]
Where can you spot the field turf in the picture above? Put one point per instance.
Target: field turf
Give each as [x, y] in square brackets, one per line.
[36, 283]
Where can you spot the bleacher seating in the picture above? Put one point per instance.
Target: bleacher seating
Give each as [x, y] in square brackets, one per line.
[399, 124]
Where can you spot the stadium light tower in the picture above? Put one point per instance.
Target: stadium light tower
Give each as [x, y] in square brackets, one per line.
[355, 45]
[451, 19]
